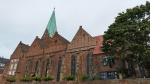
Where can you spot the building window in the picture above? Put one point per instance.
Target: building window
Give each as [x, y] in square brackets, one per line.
[105, 60]
[15, 66]
[142, 71]
[59, 68]
[36, 68]
[13, 72]
[88, 64]
[11, 67]
[27, 68]
[73, 65]
[9, 73]
[112, 61]
[110, 75]
[12, 60]
[103, 75]
[47, 67]
[116, 75]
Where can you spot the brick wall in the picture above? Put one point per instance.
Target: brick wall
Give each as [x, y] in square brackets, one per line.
[115, 81]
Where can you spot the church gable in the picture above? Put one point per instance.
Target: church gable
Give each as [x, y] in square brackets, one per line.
[81, 39]
[35, 48]
[45, 35]
[57, 43]
[20, 50]
[58, 40]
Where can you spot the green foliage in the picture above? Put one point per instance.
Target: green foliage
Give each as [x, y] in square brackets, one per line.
[95, 78]
[85, 77]
[48, 78]
[37, 78]
[70, 77]
[123, 71]
[25, 79]
[11, 79]
[128, 38]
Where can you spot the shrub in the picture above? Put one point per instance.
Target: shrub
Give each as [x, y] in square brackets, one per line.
[11, 79]
[48, 78]
[70, 77]
[37, 78]
[25, 79]
[84, 77]
[95, 78]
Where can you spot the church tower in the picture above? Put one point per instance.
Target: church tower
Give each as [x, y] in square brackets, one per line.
[51, 26]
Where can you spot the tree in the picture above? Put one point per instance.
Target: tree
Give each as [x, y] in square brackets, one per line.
[128, 38]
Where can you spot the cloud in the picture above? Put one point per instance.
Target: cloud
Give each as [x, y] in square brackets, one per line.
[23, 20]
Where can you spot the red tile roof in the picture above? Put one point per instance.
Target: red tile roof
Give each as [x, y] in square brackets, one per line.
[99, 41]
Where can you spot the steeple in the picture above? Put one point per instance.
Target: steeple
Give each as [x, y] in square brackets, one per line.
[51, 26]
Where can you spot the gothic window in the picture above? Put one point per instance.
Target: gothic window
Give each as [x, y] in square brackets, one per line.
[88, 64]
[73, 65]
[27, 68]
[47, 67]
[105, 60]
[36, 68]
[59, 68]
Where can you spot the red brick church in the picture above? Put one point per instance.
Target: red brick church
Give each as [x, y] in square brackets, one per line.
[53, 55]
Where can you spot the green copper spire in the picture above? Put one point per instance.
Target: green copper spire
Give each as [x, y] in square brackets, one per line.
[51, 26]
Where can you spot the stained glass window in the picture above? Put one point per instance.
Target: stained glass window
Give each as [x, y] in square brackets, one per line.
[88, 64]
[47, 67]
[73, 65]
[36, 68]
[27, 68]
[59, 68]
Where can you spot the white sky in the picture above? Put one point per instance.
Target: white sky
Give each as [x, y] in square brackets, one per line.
[23, 20]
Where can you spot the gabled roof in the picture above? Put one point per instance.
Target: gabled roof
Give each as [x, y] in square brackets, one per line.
[43, 43]
[24, 47]
[57, 43]
[20, 50]
[46, 35]
[81, 39]
[35, 48]
[99, 41]
[60, 38]
[3, 60]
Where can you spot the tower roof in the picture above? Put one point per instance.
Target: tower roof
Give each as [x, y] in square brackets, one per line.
[51, 26]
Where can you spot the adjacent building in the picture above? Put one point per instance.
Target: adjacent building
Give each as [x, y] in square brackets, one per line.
[3, 61]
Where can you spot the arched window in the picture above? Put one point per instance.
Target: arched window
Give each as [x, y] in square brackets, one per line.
[59, 68]
[36, 68]
[88, 64]
[47, 67]
[73, 65]
[27, 68]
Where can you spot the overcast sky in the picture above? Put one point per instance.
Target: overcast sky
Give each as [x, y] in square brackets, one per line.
[23, 20]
